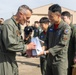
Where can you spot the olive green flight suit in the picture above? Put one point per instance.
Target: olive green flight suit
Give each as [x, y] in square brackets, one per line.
[43, 57]
[10, 43]
[71, 49]
[57, 42]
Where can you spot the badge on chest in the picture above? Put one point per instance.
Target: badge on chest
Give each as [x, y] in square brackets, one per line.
[18, 32]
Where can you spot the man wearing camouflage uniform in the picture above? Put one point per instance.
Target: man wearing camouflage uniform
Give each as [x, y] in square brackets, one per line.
[44, 23]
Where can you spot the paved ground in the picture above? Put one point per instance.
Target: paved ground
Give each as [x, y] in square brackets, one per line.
[28, 66]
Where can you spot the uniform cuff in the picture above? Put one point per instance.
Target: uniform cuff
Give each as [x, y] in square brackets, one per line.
[25, 48]
[52, 52]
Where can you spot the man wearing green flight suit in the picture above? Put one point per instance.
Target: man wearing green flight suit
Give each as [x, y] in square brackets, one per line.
[44, 23]
[57, 41]
[66, 16]
[37, 29]
[12, 42]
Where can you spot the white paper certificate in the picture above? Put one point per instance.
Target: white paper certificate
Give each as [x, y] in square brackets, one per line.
[38, 46]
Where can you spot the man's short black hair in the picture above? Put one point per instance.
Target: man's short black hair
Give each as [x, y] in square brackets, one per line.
[66, 13]
[55, 8]
[36, 22]
[27, 30]
[44, 20]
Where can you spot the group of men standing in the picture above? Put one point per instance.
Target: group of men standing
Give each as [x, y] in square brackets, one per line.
[59, 42]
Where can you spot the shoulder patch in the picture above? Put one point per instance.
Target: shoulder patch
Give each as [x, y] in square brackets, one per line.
[66, 31]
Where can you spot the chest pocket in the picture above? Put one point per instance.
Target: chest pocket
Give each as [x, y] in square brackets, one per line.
[57, 35]
[18, 33]
[51, 31]
[42, 37]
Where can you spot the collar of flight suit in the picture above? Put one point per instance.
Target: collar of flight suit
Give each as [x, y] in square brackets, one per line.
[60, 24]
[14, 20]
[17, 24]
[71, 25]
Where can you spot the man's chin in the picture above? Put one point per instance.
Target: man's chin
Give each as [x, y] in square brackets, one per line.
[22, 23]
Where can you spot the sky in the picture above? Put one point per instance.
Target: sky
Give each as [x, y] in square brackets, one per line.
[9, 7]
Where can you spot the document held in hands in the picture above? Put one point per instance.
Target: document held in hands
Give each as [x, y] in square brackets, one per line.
[38, 46]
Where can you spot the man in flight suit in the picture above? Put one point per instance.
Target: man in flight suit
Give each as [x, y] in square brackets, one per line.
[12, 42]
[44, 23]
[66, 16]
[57, 42]
[37, 29]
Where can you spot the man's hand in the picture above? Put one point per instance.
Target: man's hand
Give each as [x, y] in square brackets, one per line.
[75, 59]
[43, 48]
[31, 46]
[43, 52]
[29, 53]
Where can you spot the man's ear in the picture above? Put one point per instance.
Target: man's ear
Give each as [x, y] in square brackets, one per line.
[20, 13]
[70, 18]
[59, 15]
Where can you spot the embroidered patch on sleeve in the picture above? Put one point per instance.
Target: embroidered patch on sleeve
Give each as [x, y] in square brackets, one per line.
[65, 38]
[66, 31]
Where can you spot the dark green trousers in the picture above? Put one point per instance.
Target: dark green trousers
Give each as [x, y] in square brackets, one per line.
[55, 70]
[43, 63]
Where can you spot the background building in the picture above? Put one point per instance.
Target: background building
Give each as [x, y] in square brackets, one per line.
[43, 11]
